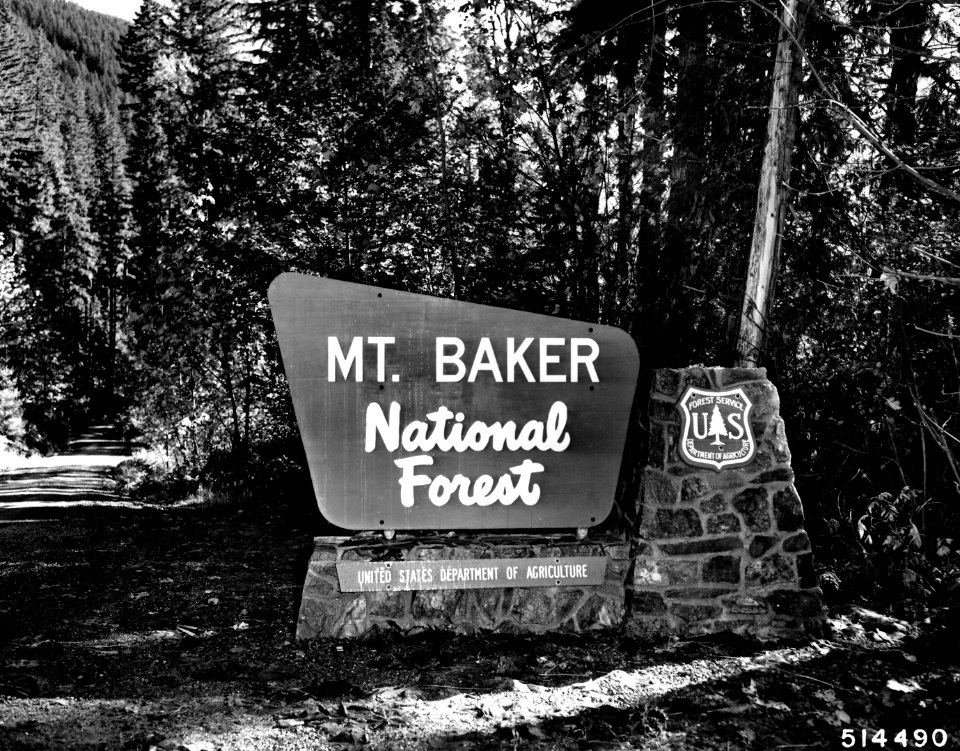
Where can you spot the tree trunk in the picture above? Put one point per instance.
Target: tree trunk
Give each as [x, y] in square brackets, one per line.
[773, 189]
[682, 227]
[649, 239]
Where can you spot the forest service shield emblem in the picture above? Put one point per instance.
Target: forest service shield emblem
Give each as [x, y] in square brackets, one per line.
[715, 430]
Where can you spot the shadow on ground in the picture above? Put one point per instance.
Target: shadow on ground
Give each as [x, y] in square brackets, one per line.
[173, 628]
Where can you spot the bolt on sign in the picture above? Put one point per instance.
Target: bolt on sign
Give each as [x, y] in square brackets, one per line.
[715, 430]
[423, 413]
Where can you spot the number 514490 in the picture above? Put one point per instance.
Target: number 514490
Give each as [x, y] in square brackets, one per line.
[919, 738]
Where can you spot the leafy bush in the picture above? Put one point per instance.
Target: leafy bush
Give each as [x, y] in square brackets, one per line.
[150, 480]
[890, 554]
[12, 426]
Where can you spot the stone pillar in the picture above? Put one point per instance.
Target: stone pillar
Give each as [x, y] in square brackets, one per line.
[720, 550]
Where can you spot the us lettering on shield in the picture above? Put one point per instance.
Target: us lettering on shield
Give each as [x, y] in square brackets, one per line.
[715, 431]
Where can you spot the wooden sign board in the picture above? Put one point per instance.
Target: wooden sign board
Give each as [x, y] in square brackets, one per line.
[399, 576]
[423, 413]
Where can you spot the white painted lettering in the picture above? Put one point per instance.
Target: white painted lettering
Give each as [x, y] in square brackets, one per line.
[484, 491]
[586, 360]
[444, 359]
[376, 424]
[352, 360]
[449, 435]
[735, 421]
[408, 477]
[515, 359]
[381, 342]
[546, 360]
[485, 360]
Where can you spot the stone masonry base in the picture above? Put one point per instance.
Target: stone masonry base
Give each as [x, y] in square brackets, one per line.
[712, 550]
[325, 611]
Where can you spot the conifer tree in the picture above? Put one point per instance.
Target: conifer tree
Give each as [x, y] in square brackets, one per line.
[717, 426]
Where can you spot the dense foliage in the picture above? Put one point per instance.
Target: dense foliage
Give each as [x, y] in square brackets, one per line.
[593, 162]
[62, 218]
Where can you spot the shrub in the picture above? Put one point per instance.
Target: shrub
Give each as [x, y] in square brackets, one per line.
[12, 426]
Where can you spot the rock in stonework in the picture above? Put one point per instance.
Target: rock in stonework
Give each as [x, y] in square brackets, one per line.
[658, 446]
[760, 544]
[722, 524]
[761, 461]
[714, 505]
[672, 433]
[787, 510]
[355, 553]
[486, 607]
[599, 612]
[693, 547]
[738, 376]
[696, 377]
[678, 571]
[769, 570]
[324, 549]
[729, 479]
[349, 620]
[796, 544]
[681, 470]
[690, 612]
[533, 606]
[805, 571]
[388, 604]
[722, 568]
[321, 579]
[663, 572]
[693, 488]
[543, 607]
[659, 488]
[754, 507]
[681, 522]
[432, 603]
[648, 603]
[667, 382]
[663, 410]
[765, 399]
[744, 605]
[776, 439]
[697, 593]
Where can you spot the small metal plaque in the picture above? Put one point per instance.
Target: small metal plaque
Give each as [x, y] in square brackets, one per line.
[723, 416]
[400, 576]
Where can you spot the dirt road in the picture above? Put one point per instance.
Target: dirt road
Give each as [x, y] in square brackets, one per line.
[42, 487]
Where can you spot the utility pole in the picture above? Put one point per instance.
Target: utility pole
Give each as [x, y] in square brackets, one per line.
[773, 188]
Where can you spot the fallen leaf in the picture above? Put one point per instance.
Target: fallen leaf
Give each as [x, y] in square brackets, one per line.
[909, 687]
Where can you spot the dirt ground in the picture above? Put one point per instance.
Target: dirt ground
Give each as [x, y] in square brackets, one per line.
[125, 627]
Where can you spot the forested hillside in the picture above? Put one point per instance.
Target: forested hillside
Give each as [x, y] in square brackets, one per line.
[63, 226]
[595, 161]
